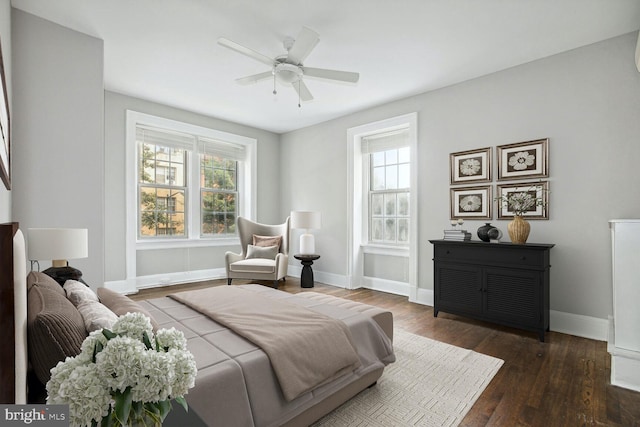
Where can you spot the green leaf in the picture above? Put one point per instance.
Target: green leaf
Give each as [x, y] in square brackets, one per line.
[183, 402]
[108, 334]
[146, 340]
[123, 405]
[165, 407]
[138, 409]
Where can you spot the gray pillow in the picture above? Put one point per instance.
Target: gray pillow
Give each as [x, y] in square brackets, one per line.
[122, 304]
[267, 252]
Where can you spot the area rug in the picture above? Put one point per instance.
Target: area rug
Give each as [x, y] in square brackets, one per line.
[430, 384]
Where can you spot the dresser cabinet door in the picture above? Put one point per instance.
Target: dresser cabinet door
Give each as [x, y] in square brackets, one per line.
[458, 288]
[513, 296]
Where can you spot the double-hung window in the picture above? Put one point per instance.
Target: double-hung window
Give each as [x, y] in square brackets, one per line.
[191, 182]
[388, 159]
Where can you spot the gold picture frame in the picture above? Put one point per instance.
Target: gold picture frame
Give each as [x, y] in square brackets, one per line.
[471, 166]
[538, 189]
[523, 160]
[471, 202]
[5, 130]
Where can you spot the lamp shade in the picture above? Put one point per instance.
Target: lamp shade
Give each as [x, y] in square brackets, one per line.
[57, 243]
[306, 219]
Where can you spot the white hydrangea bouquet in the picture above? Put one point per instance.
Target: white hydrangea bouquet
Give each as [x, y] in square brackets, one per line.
[124, 376]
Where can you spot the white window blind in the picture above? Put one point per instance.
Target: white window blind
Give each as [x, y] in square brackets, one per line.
[385, 141]
[165, 138]
[218, 148]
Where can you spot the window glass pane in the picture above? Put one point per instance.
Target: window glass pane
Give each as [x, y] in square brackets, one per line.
[377, 159]
[403, 204]
[403, 176]
[403, 231]
[391, 176]
[390, 204]
[376, 230]
[378, 178]
[391, 157]
[390, 230]
[377, 201]
[161, 212]
[404, 155]
[218, 212]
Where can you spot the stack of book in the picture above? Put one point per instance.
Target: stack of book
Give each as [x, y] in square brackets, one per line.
[460, 235]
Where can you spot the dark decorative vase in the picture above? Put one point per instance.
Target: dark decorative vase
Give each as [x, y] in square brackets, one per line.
[484, 230]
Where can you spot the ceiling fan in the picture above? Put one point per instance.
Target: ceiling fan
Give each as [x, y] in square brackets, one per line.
[289, 68]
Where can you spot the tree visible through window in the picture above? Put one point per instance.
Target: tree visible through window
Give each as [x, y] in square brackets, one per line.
[218, 194]
[161, 190]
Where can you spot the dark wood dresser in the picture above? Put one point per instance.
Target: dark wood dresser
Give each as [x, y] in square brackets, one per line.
[496, 282]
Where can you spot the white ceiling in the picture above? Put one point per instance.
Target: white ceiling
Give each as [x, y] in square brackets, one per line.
[166, 50]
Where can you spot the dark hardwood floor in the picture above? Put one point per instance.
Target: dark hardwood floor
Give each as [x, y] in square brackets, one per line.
[564, 381]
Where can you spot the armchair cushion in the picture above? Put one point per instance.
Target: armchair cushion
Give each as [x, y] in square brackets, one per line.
[267, 252]
[267, 241]
[254, 265]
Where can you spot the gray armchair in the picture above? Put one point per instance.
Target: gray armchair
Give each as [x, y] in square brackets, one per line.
[259, 261]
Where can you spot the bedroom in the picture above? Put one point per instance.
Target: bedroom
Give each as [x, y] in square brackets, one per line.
[585, 100]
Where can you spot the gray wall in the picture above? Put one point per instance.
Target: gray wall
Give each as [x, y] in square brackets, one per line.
[151, 262]
[5, 38]
[58, 133]
[587, 101]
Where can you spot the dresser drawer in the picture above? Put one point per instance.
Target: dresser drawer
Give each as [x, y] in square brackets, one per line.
[491, 254]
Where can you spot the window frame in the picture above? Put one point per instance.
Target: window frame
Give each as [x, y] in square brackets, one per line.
[247, 182]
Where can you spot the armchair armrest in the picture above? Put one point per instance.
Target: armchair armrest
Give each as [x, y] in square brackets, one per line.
[231, 257]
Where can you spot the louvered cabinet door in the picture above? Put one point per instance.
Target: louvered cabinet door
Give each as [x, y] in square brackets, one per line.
[458, 288]
[513, 297]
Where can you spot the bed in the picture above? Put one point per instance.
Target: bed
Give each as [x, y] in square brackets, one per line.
[236, 383]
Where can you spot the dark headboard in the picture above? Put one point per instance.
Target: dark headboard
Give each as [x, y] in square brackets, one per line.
[13, 315]
[7, 334]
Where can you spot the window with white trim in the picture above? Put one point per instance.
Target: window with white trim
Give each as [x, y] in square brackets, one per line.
[191, 182]
[388, 168]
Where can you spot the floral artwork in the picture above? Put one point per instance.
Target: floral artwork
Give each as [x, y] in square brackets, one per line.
[528, 200]
[523, 160]
[127, 375]
[471, 166]
[471, 202]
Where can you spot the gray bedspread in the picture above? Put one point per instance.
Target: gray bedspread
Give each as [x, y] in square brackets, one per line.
[306, 348]
[236, 385]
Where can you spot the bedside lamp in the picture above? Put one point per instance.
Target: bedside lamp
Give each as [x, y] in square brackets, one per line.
[306, 220]
[58, 245]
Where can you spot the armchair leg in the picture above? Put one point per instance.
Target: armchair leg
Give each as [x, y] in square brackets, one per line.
[275, 284]
[229, 281]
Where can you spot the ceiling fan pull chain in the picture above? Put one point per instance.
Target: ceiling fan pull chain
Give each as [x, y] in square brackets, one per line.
[275, 92]
[299, 106]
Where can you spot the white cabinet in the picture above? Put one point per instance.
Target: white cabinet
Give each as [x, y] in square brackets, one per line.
[624, 326]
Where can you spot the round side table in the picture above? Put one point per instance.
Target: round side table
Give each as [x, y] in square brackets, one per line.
[306, 278]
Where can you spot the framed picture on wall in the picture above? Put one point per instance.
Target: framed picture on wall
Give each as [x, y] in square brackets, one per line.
[536, 192]
[471, 202]
[470, 166]
[5, 150]
[523, 160]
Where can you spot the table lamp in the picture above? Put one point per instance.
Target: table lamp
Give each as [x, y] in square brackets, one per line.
[58, 245]
[306, 220]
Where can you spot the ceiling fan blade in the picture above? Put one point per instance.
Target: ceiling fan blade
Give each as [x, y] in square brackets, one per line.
[255, 78]
[321, 73]
[245, 51]
[304, 44]
[303, 90]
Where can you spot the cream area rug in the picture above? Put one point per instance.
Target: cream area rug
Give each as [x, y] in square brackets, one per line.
[430, 384]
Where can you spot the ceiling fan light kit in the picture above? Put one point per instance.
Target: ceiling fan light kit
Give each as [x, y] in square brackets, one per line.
[288, 69]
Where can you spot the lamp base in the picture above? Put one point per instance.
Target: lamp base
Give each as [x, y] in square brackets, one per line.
[307, 244]
[62, 274]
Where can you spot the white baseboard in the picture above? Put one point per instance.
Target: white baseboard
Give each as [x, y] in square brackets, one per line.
[568, 323]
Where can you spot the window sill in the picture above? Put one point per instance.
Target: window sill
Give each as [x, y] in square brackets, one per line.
[186, 243]
[400, 251]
